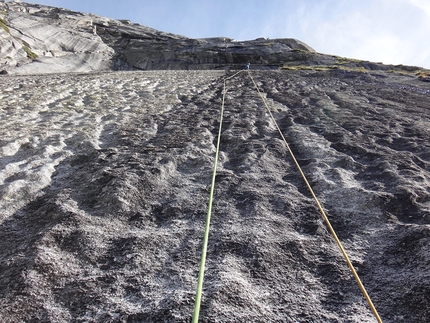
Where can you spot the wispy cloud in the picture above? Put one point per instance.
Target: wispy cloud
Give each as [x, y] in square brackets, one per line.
[422, 4]
[391, 31]
[388, 31]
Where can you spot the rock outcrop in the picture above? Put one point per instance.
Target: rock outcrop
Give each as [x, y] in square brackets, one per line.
[104, 178]
[37, 39]
[40, 39]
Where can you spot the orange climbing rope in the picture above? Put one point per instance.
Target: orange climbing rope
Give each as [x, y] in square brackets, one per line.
[360, 284]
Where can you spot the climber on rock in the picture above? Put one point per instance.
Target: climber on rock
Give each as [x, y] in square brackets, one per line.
[247, 66]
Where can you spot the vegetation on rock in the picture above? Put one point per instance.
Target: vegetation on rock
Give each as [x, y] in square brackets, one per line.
[30, 54]
[3, 24]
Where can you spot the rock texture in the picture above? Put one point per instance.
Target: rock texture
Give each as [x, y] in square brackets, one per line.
[37, 39]
[104, 184]
[40, 39]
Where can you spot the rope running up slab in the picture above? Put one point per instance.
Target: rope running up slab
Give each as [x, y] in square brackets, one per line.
[208, 216]
[197, 303]
[351, 267]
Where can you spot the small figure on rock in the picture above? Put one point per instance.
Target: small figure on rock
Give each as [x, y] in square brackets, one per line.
[247, 66]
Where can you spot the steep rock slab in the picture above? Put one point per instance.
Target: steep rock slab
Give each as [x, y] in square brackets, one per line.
[158, 51]
[39, 39]
[104, 186]
[36, 39]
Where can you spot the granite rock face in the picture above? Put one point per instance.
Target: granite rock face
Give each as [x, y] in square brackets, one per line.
[104, 183]
[39, 39]
[105, 177]
[36, 39]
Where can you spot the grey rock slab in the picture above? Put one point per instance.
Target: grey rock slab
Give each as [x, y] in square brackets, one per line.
[104, 183]
[39, 34]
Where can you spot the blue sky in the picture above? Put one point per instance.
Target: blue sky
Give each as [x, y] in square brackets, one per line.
[388, 31]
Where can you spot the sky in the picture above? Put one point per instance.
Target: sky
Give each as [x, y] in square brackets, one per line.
[387, 31]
